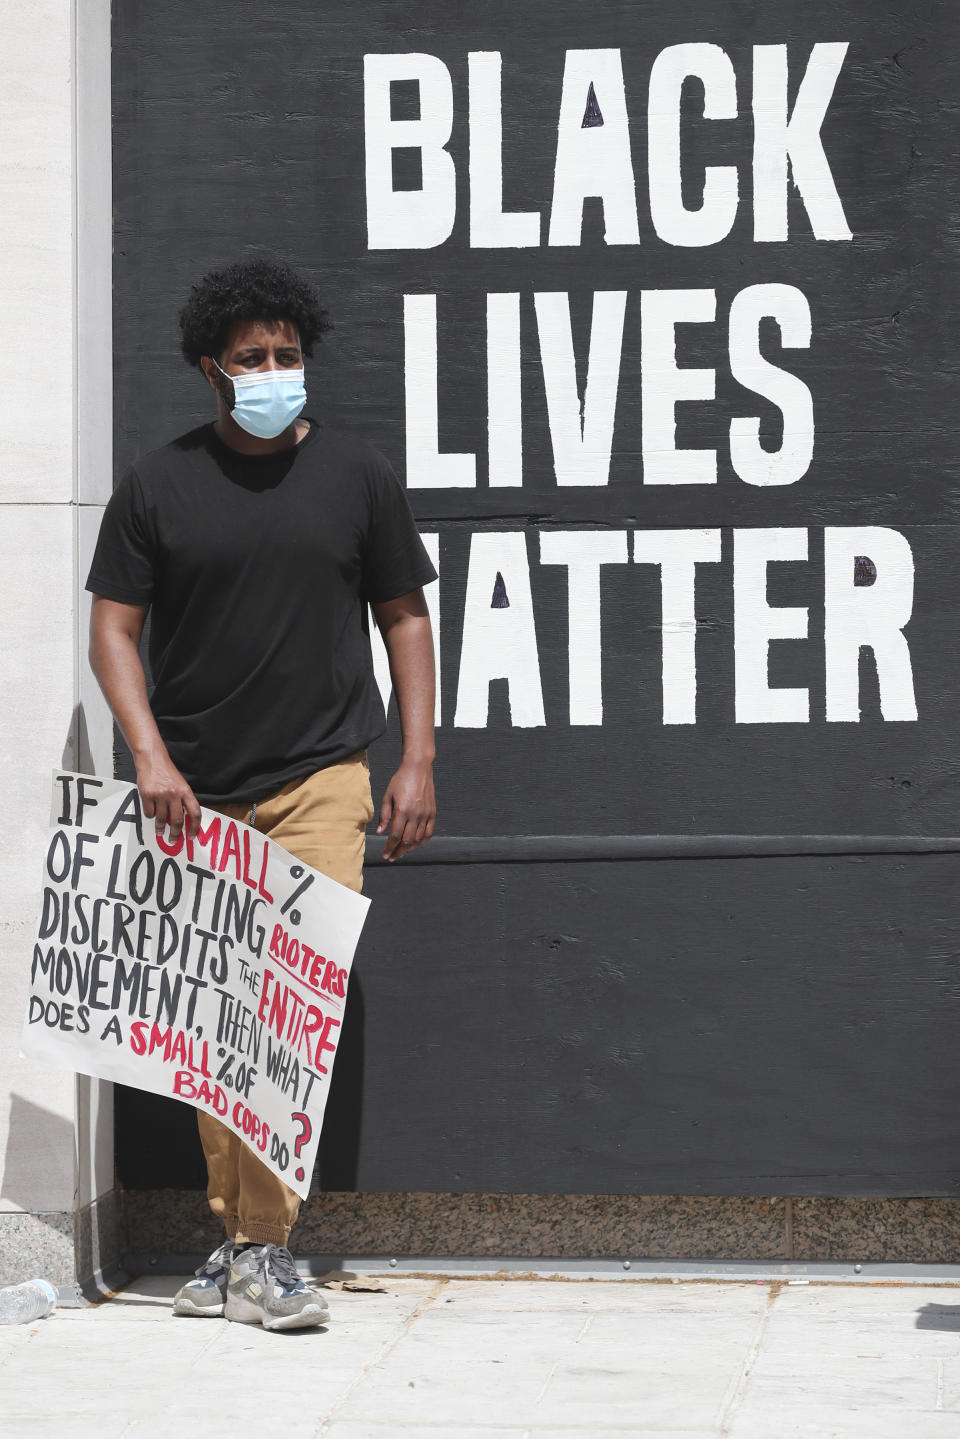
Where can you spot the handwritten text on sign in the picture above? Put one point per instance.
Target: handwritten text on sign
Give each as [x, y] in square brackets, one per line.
[213, 970]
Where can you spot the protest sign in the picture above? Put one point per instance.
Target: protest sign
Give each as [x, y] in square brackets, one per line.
[213, 969]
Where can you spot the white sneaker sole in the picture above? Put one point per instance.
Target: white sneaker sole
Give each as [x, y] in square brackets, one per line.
[241, 1311]
[308, 1318]
[186, 1307]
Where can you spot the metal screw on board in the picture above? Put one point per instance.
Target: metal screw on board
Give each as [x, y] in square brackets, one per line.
[858, 1269]
[626, 1264]
[393, 1264]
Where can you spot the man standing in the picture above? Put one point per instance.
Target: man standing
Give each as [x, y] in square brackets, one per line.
[257, 543]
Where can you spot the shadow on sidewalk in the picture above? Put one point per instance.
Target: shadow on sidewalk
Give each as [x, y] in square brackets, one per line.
[939, 1316]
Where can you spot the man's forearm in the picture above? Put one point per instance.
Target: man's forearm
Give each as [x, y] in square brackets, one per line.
[409, 645]
[409, 805]
[115, 660]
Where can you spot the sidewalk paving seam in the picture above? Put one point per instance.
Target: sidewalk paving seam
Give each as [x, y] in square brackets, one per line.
[556, 1363]
[386, 1348]
[15, 1348]
[733, 1403]
[212, 1342]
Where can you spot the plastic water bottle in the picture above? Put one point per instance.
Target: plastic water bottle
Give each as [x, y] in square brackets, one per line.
[23, 1303]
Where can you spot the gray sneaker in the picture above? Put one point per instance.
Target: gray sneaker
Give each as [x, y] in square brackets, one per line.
[205, 1294]
[264, 1287]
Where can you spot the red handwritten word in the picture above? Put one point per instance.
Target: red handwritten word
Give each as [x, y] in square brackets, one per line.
[321, 974]
[220, 857]
[247, 1122]
[295, 1022]
[212, 1095]
[175, 1046]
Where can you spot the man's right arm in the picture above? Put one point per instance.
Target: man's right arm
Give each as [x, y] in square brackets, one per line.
[115, 631]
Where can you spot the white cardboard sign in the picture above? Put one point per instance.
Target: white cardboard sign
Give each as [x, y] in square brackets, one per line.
[213, 970]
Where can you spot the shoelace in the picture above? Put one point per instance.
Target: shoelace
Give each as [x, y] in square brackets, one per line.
[218, 1262]
[278, 1263]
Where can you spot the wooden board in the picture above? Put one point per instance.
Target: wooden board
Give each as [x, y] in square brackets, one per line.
[694, 1025]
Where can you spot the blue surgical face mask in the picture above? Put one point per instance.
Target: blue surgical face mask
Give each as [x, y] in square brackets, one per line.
[267, 401]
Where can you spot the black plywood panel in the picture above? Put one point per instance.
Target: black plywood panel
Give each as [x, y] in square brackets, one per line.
[722, 1026]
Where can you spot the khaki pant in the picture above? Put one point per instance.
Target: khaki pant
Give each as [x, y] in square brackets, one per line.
[321, 820]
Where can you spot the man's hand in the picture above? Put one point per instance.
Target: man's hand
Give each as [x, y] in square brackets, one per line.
[167, 798]
[409, 809]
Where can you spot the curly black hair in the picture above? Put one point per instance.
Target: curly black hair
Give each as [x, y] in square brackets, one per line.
[260, 289]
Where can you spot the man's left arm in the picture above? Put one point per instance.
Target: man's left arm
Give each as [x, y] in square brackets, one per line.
[409, 808]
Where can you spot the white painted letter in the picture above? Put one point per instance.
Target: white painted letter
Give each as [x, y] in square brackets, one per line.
[777, 140]
[788, 306]
[663, 384]
[504, 416]
[583, 552]
[427, 468]
[499, 640]
[582, 434]
[870, 615]
[408, 219]
[755, 624]
[593, 158]
[672, 221]
[489, 226]
[678, 552]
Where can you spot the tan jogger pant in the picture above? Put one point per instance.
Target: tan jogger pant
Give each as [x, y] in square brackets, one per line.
[321, 820]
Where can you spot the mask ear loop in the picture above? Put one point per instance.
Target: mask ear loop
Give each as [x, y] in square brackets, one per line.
[230, 396]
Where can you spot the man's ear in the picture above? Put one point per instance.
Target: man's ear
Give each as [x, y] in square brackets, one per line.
[218, 381]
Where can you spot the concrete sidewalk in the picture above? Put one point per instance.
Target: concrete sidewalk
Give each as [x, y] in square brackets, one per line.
[503, 1359]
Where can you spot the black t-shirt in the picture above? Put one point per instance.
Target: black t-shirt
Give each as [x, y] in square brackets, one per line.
[258, 570]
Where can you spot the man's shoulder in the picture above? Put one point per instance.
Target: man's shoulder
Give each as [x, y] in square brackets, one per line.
[174, 451]
[164, 463]
[352, 449]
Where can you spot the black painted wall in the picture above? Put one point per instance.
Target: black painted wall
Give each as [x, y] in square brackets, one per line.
[580, 1015]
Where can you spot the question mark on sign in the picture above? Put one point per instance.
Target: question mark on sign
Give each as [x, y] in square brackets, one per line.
[301, 1139]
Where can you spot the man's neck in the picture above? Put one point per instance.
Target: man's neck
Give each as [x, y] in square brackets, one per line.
[239, 439]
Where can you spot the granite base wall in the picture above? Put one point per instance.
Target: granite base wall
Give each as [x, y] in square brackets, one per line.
[174, 1221]
[64, 1246]
[68, 1248]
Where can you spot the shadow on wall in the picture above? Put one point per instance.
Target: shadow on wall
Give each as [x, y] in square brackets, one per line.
[77, 755]
[39, 1158]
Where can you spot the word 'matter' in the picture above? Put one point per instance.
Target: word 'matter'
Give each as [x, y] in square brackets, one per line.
[865, 596]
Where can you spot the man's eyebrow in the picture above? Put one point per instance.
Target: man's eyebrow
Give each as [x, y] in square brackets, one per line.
[289, 347]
